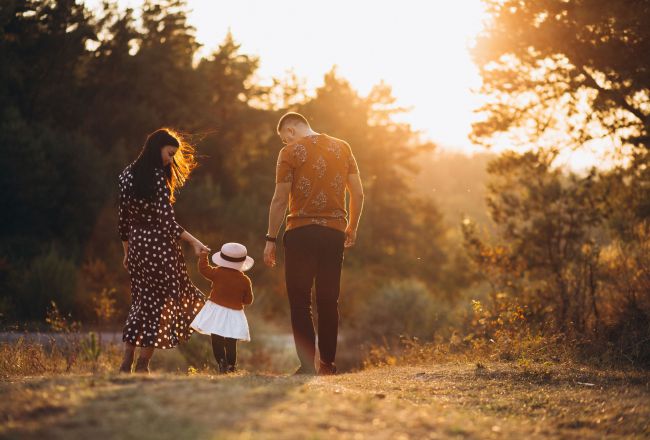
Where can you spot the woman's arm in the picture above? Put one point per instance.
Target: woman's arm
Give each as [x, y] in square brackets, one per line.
[125, 246]
[122, 215]
[123, 222]
[195, 243]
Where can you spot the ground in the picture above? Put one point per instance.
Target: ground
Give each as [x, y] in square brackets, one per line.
[452, 400]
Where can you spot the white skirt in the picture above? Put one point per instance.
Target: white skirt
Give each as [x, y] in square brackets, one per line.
[222, 321]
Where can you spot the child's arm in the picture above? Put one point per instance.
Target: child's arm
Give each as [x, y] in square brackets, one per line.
[204, 266]
[248, 295]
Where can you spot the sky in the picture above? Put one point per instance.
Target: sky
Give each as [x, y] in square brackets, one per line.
[420, 48]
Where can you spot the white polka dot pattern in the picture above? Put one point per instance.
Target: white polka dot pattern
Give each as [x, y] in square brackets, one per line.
[163, 299]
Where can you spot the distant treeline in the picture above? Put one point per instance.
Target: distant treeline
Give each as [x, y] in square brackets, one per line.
[550, 253]
[81, 90]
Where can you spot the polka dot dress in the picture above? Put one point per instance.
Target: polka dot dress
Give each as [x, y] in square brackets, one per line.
[163, 299]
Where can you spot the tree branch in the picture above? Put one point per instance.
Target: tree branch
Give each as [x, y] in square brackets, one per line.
[616, 97]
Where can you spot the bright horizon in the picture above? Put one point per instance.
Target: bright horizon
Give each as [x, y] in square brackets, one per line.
[369, 42]
[420, 49]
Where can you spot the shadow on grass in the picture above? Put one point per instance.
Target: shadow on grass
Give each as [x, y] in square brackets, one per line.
[156, 406]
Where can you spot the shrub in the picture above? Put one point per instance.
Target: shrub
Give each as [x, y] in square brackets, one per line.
[401, 308]
[50, 277]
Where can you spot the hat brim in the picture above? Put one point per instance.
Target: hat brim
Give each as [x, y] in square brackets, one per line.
[240, 265]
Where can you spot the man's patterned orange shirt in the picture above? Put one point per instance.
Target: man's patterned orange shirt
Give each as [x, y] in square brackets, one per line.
[317, 167]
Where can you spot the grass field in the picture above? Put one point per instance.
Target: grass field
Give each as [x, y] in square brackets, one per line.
[450, 400]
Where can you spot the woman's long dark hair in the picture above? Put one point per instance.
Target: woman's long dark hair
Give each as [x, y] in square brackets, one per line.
[176, 173]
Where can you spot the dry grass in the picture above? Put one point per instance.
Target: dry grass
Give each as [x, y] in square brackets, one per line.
[24, 357]
[451, 400]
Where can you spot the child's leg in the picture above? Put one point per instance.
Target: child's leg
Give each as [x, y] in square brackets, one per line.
[231, 351]
[219, 349]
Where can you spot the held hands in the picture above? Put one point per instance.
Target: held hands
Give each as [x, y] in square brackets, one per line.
[269, 254]
[199, 248]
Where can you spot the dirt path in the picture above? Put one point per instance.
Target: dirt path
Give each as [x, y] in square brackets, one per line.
[441, 401]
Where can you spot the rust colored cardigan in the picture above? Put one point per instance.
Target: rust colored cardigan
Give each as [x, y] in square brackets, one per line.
[230, 287]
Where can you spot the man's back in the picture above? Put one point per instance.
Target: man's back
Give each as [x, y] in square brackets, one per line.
[317, 167]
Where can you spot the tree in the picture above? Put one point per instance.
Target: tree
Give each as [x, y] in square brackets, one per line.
[558, 74]
[547, 251]
[42, 48]
[577, 70]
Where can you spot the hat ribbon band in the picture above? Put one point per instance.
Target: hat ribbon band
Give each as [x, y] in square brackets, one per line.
[233, 259]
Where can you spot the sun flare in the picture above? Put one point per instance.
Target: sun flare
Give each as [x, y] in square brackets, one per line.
[418, 48]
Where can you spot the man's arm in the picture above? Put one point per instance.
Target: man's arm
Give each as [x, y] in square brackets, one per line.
[355, 188]
[276, 217]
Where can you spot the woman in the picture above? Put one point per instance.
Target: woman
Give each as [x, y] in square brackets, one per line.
[163, 299]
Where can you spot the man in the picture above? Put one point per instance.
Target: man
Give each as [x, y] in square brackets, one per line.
[312, 174]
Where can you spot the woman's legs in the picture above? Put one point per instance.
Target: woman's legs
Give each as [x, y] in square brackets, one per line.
[127, 359]
[146, 353]
[142, 365]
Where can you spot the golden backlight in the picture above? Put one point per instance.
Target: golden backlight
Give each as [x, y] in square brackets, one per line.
[417, 47]
[420, 48]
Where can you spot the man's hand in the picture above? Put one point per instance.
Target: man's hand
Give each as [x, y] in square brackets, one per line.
[350, 237]
[355, 188]
[269, 254]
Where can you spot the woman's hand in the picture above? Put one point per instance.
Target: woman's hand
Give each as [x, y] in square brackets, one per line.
[125, 262]
[199, 248]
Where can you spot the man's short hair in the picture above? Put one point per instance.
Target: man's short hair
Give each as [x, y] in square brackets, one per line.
[291, 117]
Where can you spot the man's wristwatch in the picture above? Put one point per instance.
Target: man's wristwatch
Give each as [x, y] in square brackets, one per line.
[269, 238]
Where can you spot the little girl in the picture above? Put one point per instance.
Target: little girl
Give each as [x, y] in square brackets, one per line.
[222, 317]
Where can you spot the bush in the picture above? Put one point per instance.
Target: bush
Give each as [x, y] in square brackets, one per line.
[401, 308]
[50, 277]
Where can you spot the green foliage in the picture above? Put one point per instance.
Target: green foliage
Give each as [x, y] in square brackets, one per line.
[568, 248]
[92, 349]
[548, 250]
[552, 259]
[400, 309]
[49, 276]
